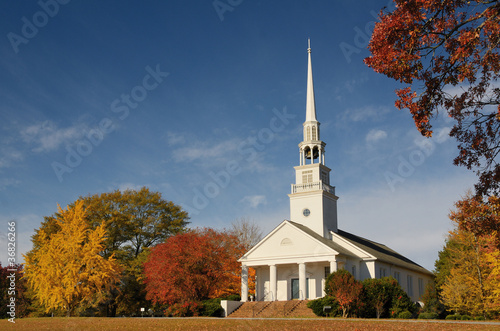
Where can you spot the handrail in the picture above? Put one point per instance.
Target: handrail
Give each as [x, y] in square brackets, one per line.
[312, 186]
[263, 305]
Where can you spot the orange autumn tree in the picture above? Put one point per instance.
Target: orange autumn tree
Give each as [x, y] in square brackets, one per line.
[68, 268]
[447, 55]
[342, 285]
[194, 266]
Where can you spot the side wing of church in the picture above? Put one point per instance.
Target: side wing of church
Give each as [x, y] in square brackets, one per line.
[293, 260]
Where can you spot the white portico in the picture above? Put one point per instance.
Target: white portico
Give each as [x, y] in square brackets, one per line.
[293, 261]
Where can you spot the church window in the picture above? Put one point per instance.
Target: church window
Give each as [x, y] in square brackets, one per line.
[324, 178]
[314, 133]
[382, 272]
[308, 133]
[353, 271]
[420, 287]
[409, 283]
[327, 271]
[397, 276]
[307, 176]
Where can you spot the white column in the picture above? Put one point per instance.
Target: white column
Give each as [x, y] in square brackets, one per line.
[273, 282]
[320, 159]
[333, 266]
[244, 283]
[302, 281]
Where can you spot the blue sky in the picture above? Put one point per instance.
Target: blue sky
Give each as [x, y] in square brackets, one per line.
[206, 106]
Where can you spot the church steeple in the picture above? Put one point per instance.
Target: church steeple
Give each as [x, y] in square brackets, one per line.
[311, 148]
[310, 105]
[313, 202]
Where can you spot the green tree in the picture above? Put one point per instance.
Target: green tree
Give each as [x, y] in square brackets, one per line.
[67, 268]
[432, 303]
[135, 220]
[377, 296]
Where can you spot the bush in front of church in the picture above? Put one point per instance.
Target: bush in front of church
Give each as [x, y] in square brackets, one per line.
[346, 290]
[378, 298]
[318, 306]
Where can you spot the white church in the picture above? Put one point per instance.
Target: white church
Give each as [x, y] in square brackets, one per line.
[293, 261]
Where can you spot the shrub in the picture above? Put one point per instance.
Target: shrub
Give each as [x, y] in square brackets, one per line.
[453, 317]
[211, 308]
[405, 315]
[465, 318]
[479, 318]
[428, 316]
[318, 304]
[186, 309]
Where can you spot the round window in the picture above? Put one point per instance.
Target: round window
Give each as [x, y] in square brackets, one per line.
[306, 212]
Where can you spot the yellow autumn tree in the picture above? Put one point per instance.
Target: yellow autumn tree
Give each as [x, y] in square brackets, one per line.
[472, 284]
[68, 269]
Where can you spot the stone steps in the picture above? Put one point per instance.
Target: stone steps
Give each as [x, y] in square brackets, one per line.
[275, 309]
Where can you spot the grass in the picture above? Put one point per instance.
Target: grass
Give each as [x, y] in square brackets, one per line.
[97, 323]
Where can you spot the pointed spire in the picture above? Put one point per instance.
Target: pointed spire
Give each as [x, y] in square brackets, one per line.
[310, 105]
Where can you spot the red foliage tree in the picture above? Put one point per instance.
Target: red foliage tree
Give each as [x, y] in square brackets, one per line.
[345, 289]
[193, 266]
[448, 54]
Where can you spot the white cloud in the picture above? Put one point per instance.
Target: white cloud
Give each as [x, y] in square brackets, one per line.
[206, 151]
[46, 136]
[174, 138]
[9, 156]
[254, 200]
[364, 113]
[6, 182]
[442, 134]
[375, 135]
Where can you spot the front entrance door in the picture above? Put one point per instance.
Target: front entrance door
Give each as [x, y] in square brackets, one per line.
[296, 289]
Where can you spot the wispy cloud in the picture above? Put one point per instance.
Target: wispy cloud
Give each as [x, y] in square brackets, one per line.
[375, 135]
[254, 200]
[47, 137]
[6, 182]
[9, 155]
[364, 113]
[203, 150]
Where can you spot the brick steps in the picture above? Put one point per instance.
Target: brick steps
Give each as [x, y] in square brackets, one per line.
[275, 309]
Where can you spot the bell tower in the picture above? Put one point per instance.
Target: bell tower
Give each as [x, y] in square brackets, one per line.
[313, 202]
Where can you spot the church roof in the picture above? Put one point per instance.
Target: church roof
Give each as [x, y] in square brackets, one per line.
[382, 252]
[379, 251]
[329, 243]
